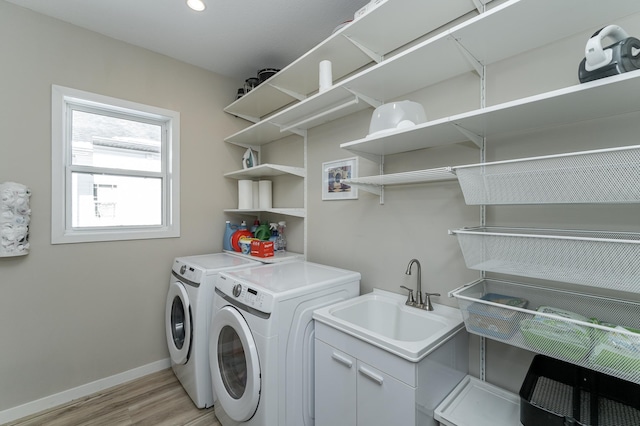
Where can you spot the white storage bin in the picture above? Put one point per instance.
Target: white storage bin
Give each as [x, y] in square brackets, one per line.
[477, 403]
[598, 176]
[584, 342]
[592, 258]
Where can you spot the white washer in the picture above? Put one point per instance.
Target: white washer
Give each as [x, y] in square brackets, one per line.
[188, 315]
[261, 342]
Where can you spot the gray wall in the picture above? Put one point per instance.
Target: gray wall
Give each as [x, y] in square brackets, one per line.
[72, 314]
[76, 313]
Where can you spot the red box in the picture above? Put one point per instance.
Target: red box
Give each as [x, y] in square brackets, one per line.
[262, 248]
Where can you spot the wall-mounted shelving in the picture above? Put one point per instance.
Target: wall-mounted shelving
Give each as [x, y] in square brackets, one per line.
[469, 46]
[349, 49]
[266, 170]
[295, 212]
[614, 351]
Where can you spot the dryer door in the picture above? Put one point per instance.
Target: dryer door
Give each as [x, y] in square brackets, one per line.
[235, 370]
[178, 323]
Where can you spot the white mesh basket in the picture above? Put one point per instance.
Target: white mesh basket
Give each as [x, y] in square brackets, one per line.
[614, 351]
[593, 258]
[599, 176]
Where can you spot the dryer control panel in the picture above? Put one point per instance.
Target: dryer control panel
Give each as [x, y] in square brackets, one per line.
[247, 295]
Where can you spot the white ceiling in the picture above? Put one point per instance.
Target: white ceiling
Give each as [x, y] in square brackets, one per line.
[234, 38]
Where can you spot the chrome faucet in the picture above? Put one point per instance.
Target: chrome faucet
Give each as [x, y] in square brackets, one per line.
[419, 302]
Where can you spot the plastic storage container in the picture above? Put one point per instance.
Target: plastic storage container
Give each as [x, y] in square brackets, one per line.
[555, 393]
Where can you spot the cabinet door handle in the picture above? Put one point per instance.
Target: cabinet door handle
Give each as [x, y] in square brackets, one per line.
[371, 375]
[342, 360]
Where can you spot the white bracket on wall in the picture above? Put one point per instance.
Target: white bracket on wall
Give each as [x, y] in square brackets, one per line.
[476, 139]
[368, 99]
[475, 63]
[247, 117]
[301, 123]
[370, 53]
[480, 5]
[291, 93]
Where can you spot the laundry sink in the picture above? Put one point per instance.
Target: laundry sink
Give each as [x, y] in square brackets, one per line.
[381, 318]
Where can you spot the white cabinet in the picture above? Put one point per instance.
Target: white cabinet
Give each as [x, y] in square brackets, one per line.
[358, 384]
[351, 392]
[383, 399]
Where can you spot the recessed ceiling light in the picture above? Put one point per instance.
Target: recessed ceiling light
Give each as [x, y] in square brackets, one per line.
[197, 5]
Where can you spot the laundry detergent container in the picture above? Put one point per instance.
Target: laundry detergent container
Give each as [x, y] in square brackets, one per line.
[396, 115]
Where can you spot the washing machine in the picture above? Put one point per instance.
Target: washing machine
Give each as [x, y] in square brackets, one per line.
[188, 315]
[261, 340]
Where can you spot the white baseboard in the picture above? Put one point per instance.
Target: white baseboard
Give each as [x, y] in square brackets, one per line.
[64, 397]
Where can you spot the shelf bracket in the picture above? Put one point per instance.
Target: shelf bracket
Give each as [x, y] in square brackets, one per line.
[299, 132]
[480, 5]
[378, 159]
[247, 117]
[290, 127]
[476, 139]
[291, 93]
[475, 63]
[368, 99]
[370, 53]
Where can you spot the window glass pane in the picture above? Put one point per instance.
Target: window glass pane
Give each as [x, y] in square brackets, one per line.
[110, 200]
[104, 141]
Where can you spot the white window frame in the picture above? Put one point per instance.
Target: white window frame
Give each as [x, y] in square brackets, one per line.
[61, 230]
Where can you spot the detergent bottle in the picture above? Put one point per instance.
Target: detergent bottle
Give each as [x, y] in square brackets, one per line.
[228, 232]
[281, 242]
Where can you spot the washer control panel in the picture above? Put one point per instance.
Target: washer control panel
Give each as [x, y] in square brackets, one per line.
[187, 272]
[245, 294]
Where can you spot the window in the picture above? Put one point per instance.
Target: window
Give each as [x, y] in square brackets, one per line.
[115, 169]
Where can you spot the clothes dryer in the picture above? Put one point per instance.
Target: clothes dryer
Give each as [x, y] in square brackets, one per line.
[261, 340]
[188, 315]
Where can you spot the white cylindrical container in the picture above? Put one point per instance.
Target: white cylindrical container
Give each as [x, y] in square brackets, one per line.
[265, 194]
[15, 215]
[245, 194]
[326, 77]
[256, 195]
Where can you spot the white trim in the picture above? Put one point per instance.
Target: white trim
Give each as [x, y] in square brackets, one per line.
[69, 395]
[61, 232]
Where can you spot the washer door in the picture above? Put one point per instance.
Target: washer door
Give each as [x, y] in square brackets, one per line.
[235, 368]
[178, 323]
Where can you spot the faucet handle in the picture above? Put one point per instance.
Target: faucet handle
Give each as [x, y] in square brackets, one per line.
[411, 301]
[427, 302]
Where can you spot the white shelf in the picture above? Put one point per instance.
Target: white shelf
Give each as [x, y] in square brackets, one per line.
[266, 170]
[599, 259]
[284, 211]
[482, 36]
[585, 342]
[601, 98]
[349, 49]
[276, 258]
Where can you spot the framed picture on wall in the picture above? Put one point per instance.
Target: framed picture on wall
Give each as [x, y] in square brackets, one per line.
[333, 175]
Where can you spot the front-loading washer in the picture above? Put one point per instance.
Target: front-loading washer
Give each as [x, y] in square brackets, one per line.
[261, 340]
[188, 316]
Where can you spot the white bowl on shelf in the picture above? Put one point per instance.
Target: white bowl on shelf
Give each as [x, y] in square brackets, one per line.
[395, 116]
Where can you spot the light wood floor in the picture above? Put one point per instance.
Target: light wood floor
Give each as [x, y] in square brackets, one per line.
[157, 399]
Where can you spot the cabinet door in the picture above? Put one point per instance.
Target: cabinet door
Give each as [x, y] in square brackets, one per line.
[383, 400]
[335, 388]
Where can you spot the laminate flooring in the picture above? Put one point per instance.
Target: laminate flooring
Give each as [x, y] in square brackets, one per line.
[155, 400]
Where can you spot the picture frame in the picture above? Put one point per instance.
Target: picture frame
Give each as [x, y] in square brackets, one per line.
[333, 173]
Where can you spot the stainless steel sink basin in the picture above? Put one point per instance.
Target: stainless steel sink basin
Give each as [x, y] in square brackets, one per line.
[382, 319]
